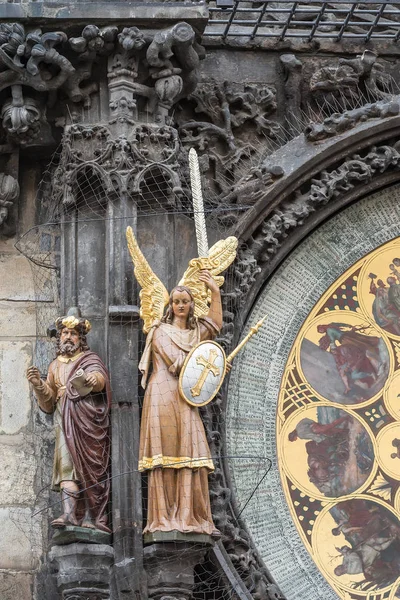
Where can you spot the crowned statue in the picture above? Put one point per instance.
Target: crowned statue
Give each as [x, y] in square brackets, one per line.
[77, 391]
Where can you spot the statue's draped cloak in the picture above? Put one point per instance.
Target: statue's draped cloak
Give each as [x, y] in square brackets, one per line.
[172, 434]
[82, 428]
[86, 426]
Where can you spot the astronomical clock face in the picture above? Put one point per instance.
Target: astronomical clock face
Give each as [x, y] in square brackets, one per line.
[318, 392]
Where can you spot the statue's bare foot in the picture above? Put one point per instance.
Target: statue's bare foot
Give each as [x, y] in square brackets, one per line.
[63, 521]
[87, 524]
[58, 523]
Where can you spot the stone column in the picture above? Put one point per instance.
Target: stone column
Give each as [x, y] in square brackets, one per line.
[83, 571]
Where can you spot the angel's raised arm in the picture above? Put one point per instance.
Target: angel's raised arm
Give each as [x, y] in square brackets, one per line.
[153, 295]
[215, 309]
[220, 256]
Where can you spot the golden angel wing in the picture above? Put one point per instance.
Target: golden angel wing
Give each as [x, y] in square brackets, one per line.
[220, 256]
[153, 295]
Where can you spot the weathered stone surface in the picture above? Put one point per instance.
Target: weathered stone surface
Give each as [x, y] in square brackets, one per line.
[15, 586]
[17, 320]
[20, 540]
[17, 471]
[15, 358]
[195, 12]
[71, 534]
[82, 568]
[170, 568]
[16, 278]
[251, 66]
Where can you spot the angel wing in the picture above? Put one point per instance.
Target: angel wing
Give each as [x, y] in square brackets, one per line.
[220, 256]
[153, 295]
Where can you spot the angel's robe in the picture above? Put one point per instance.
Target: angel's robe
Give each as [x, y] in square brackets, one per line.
[173, 444]
[82, 428]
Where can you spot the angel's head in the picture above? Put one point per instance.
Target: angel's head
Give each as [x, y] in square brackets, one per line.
[181, 304]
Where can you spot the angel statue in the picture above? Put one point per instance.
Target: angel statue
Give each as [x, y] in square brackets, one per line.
[173, 444]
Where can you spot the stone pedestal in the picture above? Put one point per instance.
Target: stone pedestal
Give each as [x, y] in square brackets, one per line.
[71, 534]
[83, 571]
[170, 568]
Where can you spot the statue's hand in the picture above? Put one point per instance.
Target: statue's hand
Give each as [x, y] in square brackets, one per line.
[210, 283]
[91, 379]
[33, 376]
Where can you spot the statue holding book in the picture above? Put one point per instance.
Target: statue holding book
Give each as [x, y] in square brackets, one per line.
[77, 391]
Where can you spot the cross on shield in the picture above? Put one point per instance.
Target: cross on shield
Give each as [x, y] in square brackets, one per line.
[202, 373]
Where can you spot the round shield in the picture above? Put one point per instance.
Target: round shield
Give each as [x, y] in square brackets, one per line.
[202, 373]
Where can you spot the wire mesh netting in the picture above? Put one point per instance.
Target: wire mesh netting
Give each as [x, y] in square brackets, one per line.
[76, 196]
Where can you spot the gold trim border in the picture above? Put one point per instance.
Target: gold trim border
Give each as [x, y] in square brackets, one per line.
[175, 462]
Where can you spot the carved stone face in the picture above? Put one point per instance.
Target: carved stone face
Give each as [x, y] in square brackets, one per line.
[181, 304]
[69, 341]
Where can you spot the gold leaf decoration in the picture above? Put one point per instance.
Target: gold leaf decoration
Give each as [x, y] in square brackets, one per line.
[397, 350]
[70, 322]
[381, 488]
[153, 295]
[220, 256]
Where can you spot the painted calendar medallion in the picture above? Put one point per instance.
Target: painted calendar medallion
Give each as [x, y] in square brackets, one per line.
[339, 429]
[313, 411]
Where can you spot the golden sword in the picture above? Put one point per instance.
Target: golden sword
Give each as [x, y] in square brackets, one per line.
[253, 331]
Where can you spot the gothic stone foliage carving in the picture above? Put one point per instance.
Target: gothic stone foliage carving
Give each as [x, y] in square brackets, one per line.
[336, 95]
[349, 78]
[117, 166]
[9, 192]
[35, 60]
[229, 116]
[21, 117]
[38, 60]
[355, 171]
[168, 60]
[338, 123]
[233, 110]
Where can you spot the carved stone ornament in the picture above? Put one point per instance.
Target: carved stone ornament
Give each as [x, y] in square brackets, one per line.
[121, 165]
[170, 569]
[9, 192]
[82, 570]
[340, 122]
[228, 107]
[167, 59]
[354, 171]
[21, 117]
[350, 77]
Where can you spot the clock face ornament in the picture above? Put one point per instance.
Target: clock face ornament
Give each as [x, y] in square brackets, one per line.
[318, 392]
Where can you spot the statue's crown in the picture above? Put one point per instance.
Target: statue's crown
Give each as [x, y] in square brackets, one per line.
[74, 320]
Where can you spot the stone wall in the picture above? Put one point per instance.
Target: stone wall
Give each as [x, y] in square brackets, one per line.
[23, 445]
